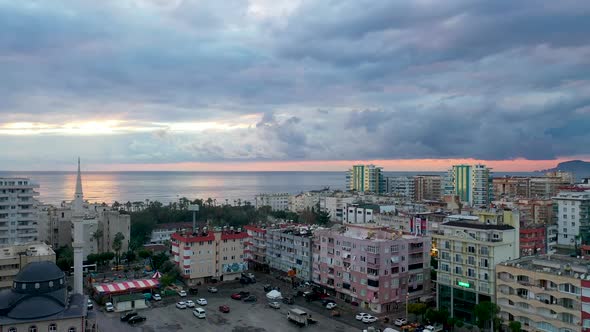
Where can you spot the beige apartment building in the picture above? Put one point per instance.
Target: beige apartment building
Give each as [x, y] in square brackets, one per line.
[206, 255]
[543, 293]
[14, 258]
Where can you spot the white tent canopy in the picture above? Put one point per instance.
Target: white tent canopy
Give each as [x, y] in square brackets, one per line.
[274, 295]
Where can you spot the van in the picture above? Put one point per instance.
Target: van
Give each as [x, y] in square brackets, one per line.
[199, 313]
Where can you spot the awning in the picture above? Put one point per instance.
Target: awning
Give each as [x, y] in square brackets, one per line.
[124, 286]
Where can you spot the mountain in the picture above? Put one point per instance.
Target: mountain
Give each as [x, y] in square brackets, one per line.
[580, 168]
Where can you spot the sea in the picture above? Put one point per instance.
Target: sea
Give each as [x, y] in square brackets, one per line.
[224, 187]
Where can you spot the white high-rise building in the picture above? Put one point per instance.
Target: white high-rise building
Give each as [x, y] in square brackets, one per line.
[573, 218]
[18, 211]
[277, 202]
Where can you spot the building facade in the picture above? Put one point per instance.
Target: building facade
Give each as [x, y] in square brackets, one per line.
[19, 222]
[509, 187]
[573, 218]
[162, 232]
[290, 249]
[277, 202]
[307, 201]
[472, 183]
[206, 255]
[359, 213]
[365, 178]
[256, 248]
[377, 267]
[400, 186]
[14, 258]
[543, 293]
[428, 188]
[468, 251]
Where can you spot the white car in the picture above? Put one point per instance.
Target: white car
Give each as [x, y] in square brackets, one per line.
[400, 322]
[190, 303]
[369, 319]
[199, 313]
[89, 304]
[330, 305]
[157, 297]
[212, 289]
[361, 315]
[182, 293]
[275, 305]
[181, 305]
[109, 307]
[202, 302]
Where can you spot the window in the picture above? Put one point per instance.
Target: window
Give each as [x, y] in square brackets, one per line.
[12, 329]
[458, 270]
[72, 329]
[52, 328]
[33, 328]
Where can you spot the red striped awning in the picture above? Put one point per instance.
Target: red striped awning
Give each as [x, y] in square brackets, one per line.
[118, 287]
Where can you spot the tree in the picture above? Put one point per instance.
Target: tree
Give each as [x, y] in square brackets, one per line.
[418, 309]
[436, 316]
[97, 236]
[118, 245]
[144, 253]
[514, 326]
[105, 257]
[323, 217]
[485, 312]
[64, 258]
[92, 258]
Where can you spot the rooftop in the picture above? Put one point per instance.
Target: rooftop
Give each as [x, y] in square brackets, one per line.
[174, 225]
[553, 264]
[32, 249]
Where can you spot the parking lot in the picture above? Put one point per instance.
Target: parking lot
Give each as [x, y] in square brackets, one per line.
[244, 317]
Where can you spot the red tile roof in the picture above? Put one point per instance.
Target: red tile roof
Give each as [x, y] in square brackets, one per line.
[188, 238]
[231, 236]
[255, 229]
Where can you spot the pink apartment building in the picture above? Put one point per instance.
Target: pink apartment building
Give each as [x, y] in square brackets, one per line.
[374, 266]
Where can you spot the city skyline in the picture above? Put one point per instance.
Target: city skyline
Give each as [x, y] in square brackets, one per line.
[293, 85]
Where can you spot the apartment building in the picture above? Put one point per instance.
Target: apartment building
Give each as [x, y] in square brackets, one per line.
[14, 258]
[573, 218]
[375, 266]
[307, 201]
[277, 201]
[162, 232]
[290, 249]
[336, 205]
[18, 211]
[544, 293]
[400, 186]
[255, 251]
[509, 187]
[365, 178]
[472, 183]
[427, 188]
[468, 251]
[206, 255]
[359, 213]
[549, 185]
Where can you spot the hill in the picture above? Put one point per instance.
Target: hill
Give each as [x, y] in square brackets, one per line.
[580, 168]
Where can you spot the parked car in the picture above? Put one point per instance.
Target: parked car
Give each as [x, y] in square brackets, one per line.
[361, 315]
[199, 313]
[193, 291]
[330, 305]
[275, 305]
[250, 298]
[326, 301]
[202, 302]
[244, 293]
[125, 317]
[369, 319]
[288, 300]
[190, 303]
[212, 289]
[89, 304]
[157, 297]
[136, 319]
[109, 307]
[267, 288]
[236, 296]
[224, 308]
[182, 293]
[400, 322]
[181, 305]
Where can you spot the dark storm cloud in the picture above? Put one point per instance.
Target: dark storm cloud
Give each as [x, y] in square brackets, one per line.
[348, 79]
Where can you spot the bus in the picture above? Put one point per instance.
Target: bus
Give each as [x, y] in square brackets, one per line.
[86, 268]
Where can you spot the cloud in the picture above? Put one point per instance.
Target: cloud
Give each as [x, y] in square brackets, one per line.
[153, 81]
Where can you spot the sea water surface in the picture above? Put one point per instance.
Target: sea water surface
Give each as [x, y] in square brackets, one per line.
[108, 187]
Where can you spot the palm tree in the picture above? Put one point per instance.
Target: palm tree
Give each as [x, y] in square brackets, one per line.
[118, 245]
[97, 236]
[209, 201]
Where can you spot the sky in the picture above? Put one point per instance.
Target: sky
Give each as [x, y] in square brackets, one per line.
[293, 84]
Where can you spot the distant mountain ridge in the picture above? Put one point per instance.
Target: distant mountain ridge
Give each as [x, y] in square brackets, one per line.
[580, 168]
